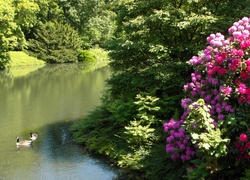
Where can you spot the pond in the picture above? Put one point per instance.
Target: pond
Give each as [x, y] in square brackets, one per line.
[48, 100]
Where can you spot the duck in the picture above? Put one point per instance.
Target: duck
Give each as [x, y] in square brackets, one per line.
[33, 136]
[23, 143]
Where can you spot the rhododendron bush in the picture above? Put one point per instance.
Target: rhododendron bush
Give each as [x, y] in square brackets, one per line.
[216, 115]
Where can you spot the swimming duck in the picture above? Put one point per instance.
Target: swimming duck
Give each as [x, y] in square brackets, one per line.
[23, 143]
[33, 136]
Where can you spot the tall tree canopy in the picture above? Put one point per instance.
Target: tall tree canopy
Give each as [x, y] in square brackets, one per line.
[153, 43]
[14, 16]
[6, 19]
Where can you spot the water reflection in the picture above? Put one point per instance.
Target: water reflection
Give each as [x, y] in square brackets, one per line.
[64, 159]
[47, 101]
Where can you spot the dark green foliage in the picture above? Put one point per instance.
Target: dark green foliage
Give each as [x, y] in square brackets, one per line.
[6, 31]
[98, 133]
[55, 42]
[125, 131]
[4, 54]
[153, 41]
[4, 59]
[93, 19]
[159, 166]
[152, 46]
[86, 56]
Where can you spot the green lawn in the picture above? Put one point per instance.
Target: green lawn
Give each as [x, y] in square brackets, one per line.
[20, 58]
[22, 64]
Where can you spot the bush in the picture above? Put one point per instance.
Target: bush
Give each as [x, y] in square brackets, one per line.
[86, 56]
[213, 133]
[55, 42]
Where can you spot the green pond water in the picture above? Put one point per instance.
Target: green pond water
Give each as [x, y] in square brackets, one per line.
[48, 100]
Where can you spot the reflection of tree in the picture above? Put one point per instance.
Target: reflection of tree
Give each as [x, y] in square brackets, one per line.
[53, 92]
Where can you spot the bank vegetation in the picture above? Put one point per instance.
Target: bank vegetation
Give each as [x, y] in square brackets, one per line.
[149, 43]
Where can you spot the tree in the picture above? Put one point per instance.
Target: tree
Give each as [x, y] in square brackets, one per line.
[78, 12]
[14, 17]
[49, 11]
[94, 20]
[55, 42]
[100, 28]
[7, 13]
[25, 13]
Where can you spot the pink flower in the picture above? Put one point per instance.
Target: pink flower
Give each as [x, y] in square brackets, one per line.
[245, 33]
[233, 51]
[170, 139]
[221, 75]
[244, 75]
[237, 81]
[245, 44]
[248, 68]
[241, 99]
[220, 117]
[242, 89]
[248, 98]
[248, 145]
[222, 71]
[232, 29]
[247, 62]
[240, 52]
[232, 67]
[237, 34]
[245, 19]
[243, 137]
[226, 90]
[240, 28]
[185, 87]
[219, 59]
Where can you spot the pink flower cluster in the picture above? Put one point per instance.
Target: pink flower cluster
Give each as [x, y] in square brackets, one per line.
[212, 92]
[228, 60]
[222, 74]
[177, 142]
[243, 146]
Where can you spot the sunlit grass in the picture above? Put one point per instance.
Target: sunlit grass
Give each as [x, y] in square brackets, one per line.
[20, 58]
[22, 64]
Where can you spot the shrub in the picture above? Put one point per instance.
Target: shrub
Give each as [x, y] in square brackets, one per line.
[212, 134]
[55, 42]
[86, 56]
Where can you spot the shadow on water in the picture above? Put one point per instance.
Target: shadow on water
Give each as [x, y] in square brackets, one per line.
[55, 144]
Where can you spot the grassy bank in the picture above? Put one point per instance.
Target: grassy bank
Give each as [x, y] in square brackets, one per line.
[21, 63]
[20, 58]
